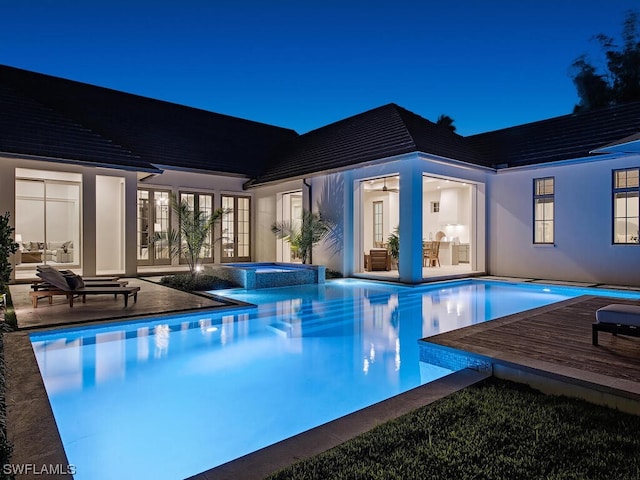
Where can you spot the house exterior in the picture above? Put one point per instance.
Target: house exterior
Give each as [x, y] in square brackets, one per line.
[87, 174]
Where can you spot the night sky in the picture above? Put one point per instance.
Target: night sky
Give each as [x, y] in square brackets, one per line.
[303, 64]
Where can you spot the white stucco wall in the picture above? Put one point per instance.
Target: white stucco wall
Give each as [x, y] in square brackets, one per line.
[583, 249]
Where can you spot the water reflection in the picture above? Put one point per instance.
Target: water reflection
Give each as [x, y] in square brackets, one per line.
[243, 379]
[374, 327]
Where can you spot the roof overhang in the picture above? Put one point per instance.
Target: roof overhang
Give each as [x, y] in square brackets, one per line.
[89, 164]
[628, 145]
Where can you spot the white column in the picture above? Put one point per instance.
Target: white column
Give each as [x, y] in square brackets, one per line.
[349, 218]
[410, 267]
[131, 222]
[8, 198]
[89, 223]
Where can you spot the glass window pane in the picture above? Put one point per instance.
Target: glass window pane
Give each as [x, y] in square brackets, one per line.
[632, 204]
[543, 211]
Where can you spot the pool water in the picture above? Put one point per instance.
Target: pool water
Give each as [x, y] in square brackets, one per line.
[175, 396]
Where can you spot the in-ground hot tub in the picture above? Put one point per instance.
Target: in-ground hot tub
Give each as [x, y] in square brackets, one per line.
[266, 275]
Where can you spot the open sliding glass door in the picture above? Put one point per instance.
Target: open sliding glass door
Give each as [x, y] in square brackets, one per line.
[236, 233]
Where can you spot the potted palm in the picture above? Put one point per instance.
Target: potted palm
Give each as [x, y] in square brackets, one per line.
[7, 247]
[193, 233]
[303, 235]
[393, 245]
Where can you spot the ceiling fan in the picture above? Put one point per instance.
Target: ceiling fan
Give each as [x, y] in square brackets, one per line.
[385, 188]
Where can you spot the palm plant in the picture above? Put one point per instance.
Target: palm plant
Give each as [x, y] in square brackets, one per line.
[393, 244]
[193, 233]
[7, 247]
[303, 235]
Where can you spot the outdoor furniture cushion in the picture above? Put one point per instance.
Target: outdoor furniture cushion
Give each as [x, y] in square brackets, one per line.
[55, 278]
[618, 319]
[619, 314]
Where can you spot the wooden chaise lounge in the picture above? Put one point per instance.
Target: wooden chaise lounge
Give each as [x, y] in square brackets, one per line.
[88, 282]
[618, 319]
[126, 292]
[72, 286]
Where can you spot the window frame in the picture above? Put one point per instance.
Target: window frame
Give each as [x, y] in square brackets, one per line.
[546, 197]
[378, 215]
[196, 205]
[631, 239]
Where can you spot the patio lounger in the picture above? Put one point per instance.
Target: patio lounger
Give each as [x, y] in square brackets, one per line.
[42, 268]
[44, 285]
[126, 292]
[618, 319]
[72, 285]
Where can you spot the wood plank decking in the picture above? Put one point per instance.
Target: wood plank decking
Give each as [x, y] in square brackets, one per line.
[556, 340]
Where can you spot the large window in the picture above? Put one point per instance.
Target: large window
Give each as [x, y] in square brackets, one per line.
[48, 212]
[289, 212]
[378, 232]
[153, 226]
[626, 189]
[543, 213]
[236, 229]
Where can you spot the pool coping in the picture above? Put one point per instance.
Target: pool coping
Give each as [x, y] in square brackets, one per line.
[31, 426]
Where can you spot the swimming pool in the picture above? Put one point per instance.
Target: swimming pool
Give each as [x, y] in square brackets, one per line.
[175, 396]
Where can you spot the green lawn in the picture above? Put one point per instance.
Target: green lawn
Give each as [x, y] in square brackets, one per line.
[492, 430]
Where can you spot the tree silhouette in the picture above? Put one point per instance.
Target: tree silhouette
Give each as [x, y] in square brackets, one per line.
[620, 83]
[446, 121]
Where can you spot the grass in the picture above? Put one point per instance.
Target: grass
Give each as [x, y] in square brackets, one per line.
[492, 430]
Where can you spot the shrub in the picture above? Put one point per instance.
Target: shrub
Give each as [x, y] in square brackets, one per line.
[200, 282]
[6, 448]
[329, 274]
[9, 312]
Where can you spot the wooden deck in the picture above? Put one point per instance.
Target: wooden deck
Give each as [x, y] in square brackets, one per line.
[555, 341]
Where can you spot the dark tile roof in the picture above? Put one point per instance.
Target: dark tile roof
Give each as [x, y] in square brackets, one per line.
[560, 138]
[50, 117]
[379, 133]
[148, 131]
[29, 128]
[392, 130]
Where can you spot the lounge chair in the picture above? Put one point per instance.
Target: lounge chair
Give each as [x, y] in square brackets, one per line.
[618, 319]
[42, 268]
[72, 286]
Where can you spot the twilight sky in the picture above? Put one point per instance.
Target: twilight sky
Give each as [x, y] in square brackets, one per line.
[302, 64]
